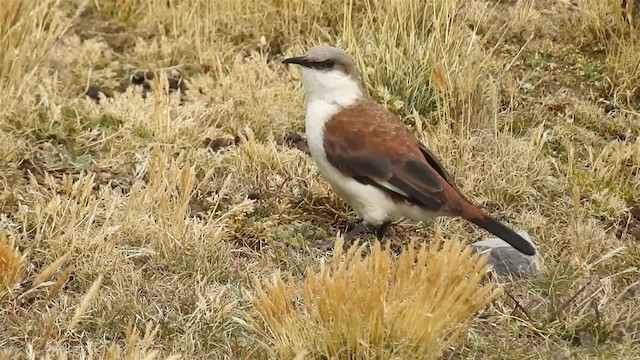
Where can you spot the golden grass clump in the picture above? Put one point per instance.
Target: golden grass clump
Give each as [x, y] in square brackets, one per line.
[11, 263]
[375, 306]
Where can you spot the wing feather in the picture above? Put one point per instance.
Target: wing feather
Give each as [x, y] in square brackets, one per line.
[373, 146]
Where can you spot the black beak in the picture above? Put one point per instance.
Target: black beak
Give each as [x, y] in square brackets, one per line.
[298, 60]
[312, 64]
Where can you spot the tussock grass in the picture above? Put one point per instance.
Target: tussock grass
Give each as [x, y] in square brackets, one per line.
[374, 306]
[156, 212]
[11, 263]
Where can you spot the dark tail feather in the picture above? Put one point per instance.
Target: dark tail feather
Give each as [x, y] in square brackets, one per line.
[503, 232]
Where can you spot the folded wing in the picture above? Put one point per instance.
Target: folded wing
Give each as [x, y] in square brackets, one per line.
[372, 145]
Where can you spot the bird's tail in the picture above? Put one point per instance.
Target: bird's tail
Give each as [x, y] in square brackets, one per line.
[499, 229]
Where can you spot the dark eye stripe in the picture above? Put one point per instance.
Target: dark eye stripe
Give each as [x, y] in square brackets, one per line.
[323, 65]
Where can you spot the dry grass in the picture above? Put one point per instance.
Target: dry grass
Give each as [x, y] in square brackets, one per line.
[414, 307]
[158, 211]
[617, 26]
[11, 263]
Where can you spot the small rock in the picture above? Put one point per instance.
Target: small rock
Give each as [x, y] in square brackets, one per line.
[610, 109]
[505, 260]
[174, 82]
[254, 195]
[93, 92]
[219, 143]
[298, 142]
[140, 77]
[294, 138]
[177, 84]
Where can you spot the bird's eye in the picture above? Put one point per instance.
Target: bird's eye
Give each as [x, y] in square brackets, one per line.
[326, 64]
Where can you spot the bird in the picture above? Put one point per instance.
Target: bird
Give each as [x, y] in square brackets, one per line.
[373, 161]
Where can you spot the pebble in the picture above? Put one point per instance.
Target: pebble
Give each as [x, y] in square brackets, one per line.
[505, 260]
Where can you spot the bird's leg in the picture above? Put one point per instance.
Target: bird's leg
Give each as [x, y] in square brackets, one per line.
[348, 236]
[357, 230]
[382, 229]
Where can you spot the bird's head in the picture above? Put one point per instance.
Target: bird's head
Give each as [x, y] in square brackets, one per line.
[328, 73]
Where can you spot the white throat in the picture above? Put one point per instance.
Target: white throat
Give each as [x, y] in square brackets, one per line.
[326, 93]
[332, 87]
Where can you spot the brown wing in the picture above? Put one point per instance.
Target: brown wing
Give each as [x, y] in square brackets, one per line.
[370, 144]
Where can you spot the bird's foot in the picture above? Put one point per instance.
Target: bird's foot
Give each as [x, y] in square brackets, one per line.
[357, 230]
[382, 230]
[349, 236]
[326, 244]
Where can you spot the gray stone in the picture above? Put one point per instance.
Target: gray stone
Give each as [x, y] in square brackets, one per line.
[505, 260]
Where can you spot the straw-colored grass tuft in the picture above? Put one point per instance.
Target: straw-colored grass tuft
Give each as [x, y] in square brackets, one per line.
[11, 262]
[374, 306]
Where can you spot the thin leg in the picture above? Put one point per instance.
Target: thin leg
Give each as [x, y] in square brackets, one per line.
[382, 229]
[348, 237]
[357, 230]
